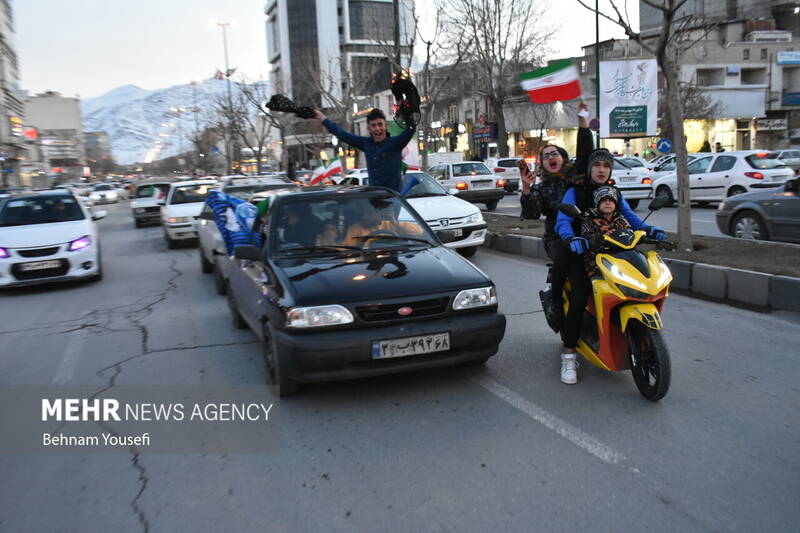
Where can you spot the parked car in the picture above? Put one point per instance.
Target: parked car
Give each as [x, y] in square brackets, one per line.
[633, 183]
[104, 193]
[357, 176]
[770, 212]
[790, 157]
[397, 300]
[716, 176]
[471, 181]
[506, 168]
[633, 161]
[666, 166]
[302, 176]
[146, 203]
[181, 209]
[245, 189]
[443, 211]
[48, 236]
[653, 163]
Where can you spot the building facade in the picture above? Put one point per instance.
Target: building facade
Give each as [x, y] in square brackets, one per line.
[12, 116]
[58, 121]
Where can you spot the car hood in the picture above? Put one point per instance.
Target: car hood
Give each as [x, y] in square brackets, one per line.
[182, 210]
[318, 281]
[36, 235]
[436, 207]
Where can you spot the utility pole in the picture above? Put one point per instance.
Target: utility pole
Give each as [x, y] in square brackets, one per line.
[396, 12]
[231, 138]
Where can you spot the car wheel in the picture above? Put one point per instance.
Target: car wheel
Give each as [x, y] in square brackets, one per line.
[206, 266]
[276, 377]
[171, 244]
[236, 316]
[633, 203]
[491, 206]
[736, 189]
[663, 190]
[469, 251]
[220, 284]
[749, 225]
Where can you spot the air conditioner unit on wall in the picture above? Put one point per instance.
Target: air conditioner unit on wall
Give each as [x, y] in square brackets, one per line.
[769, 37]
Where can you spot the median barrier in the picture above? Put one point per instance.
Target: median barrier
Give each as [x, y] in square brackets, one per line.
[711, 281]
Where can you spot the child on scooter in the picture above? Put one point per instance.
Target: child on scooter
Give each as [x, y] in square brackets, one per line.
[600, 221]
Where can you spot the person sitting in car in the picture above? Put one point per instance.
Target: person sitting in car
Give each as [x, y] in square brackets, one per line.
[379, 218]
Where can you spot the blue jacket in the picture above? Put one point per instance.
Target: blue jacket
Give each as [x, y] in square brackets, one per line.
[564, 222]
[383, 158]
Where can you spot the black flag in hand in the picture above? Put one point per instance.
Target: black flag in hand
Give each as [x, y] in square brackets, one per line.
[278, 102]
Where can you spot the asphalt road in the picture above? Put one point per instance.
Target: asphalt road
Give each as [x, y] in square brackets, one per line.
[703, 218]
[463, 449]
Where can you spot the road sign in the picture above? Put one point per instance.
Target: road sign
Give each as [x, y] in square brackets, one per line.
[664, 146]
[594, 124]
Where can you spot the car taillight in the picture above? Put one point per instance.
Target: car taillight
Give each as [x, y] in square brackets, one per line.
[646, 180]
[462, 186]
[501, 183]
[754, 175]
[499, 169]
[611, 181]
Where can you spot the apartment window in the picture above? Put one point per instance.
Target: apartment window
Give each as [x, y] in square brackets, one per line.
[370, 20]
[746, 53]
[754, 76]
[763, 53]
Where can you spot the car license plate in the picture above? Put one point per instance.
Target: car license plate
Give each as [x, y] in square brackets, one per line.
[39, 265]
[458, 232]
[436, 342]
[628, 179]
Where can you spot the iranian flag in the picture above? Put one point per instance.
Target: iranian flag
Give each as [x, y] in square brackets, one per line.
[333, 168]
[552, 83]
[319, 171]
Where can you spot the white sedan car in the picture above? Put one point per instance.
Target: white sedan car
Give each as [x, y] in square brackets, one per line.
[48, 236]
[181, 209]
[633, 183]
[443, 211]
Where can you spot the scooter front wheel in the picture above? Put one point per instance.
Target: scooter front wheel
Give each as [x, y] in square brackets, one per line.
[650, 361]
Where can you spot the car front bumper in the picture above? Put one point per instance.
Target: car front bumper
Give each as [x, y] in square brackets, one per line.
[309, 356]
[482, 195]
[470, 236]
[636, 192]
[180, 231]
[73, 266]
[724, 221]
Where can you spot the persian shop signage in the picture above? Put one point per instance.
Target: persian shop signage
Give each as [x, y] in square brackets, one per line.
[789, 58]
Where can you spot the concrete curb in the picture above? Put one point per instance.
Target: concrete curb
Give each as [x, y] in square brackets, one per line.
[710, 281]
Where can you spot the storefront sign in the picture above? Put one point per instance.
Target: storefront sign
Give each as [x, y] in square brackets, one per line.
[628, 98]
[16, 126]
[771, 124]
[789, 58]
[485, 133]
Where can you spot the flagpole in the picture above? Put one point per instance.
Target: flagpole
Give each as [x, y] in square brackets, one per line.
[597, 63]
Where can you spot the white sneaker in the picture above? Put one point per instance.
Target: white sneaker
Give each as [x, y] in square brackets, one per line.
[569, 369]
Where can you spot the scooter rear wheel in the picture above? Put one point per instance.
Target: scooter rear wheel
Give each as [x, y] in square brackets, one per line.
[650, 361]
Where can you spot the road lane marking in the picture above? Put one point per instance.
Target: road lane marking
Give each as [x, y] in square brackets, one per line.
[571, 433]
[66, 368]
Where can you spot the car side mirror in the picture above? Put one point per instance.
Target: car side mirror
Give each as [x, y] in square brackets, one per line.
[571, 210]
[247, 252]
[792, 185]
[99, 215]
[446, 235]
[658, 202]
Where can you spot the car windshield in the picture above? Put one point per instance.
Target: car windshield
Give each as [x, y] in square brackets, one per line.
[188, 194]
[426, 186]
[103, 187]
[467, 169]
[151, 190]
[631, 162]
[619, 165]
[762, 162]
[346, 223]
[39, 210]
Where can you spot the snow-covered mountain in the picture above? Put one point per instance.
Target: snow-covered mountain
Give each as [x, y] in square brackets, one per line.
[140, 123]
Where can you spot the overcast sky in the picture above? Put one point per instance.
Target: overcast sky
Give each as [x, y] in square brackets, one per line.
[88, 47]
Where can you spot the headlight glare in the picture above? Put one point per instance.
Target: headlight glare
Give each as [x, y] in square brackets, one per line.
[80, 244]
[4, 253]
[472, 298]
[474, 219]
[139, 210]
[177, 220]
[318, 316]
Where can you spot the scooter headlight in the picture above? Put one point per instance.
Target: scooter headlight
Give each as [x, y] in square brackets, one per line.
[619, 275]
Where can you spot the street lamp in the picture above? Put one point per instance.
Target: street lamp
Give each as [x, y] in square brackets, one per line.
[224, 26]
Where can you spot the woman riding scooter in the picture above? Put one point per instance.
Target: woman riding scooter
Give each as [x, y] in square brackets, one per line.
[558, 175]
[600, 164]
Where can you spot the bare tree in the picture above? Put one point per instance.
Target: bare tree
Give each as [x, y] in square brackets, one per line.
[678, 33]
[507, 35]
[696, 104]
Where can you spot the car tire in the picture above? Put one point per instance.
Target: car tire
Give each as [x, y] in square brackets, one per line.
[236, 317]
[468, 251]
[749, 225]
[206, 266]
[633, 204]
[171, 244]
[736, 189]
[220, 284]
[276, 377]
[491, 206]
[663, 190]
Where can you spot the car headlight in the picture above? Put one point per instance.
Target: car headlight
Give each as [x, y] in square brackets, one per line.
[177, 220]
[112, 196]
[139, 210]
[318, 316]
[472, 298]
[94, 196]
[4, 253]
[475, 219]
[79, 244]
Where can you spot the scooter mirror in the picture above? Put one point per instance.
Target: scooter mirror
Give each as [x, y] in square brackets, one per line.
[570, 210]
[659, 202]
